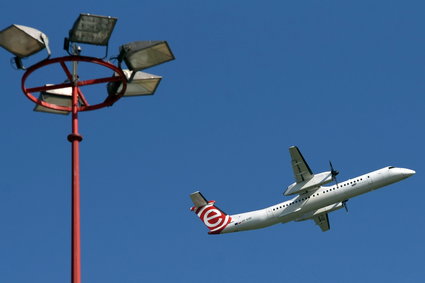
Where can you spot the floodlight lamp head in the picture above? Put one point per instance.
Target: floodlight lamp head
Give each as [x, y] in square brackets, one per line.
[139, 84]
[61, 97]
[23, 41]
[140, 55]
[92, 29]
[58, 97]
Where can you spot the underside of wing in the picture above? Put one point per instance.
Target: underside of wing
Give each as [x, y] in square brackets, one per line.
[322, 220]
[305, 180]
[302, 171]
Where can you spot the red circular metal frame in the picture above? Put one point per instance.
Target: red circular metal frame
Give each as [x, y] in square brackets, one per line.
[119, 77]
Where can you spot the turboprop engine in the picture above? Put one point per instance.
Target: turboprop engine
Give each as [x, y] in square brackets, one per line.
[316, 181]
[325, 209]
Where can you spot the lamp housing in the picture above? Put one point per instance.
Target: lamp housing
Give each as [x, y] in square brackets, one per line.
[139, 84]
[60, 97]
[23, 41]
[92, 29]
[139, 55]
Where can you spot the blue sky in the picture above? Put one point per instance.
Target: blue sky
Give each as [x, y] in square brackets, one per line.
[342, 80]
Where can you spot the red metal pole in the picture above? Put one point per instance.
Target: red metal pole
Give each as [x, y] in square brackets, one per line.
[75, 138]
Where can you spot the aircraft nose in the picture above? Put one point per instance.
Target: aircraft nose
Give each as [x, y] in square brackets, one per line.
[408, 172]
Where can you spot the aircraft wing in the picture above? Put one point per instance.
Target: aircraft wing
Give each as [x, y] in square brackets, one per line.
[304, 178]
[302, 171]
[322, 220]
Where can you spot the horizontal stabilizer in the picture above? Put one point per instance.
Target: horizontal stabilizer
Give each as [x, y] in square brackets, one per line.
[198, 199]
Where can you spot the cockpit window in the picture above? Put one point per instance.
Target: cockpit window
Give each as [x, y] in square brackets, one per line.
[391, 167]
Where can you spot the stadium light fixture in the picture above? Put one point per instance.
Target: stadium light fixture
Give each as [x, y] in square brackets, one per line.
[92, 29]
[140, 55]
[139, 84]
[60, 97]
[68, 97]
[23, 41]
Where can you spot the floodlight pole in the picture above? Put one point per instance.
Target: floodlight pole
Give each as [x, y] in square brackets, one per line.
[79, 104]
[75, 138]
[117, 87]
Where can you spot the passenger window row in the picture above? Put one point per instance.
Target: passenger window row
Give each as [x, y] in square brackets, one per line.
[323, 192]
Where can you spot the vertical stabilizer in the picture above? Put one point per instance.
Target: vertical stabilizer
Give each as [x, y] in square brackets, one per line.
[215, 219]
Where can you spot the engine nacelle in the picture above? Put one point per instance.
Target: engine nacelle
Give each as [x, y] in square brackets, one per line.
[317, 181]
[325, 209]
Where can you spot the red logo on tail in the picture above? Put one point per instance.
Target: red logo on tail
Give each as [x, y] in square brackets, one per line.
[213, 218]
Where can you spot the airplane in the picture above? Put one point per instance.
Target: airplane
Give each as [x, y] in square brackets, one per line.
[313, 200]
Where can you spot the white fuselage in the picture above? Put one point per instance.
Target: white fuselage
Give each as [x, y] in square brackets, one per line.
[320, 200]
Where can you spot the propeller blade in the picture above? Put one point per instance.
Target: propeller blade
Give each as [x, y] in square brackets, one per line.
[334, 172]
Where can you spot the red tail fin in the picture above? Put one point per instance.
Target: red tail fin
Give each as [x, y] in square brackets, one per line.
[215, 219]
